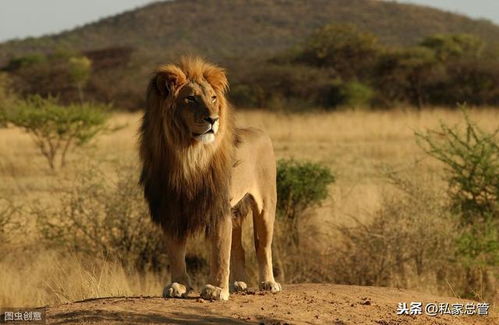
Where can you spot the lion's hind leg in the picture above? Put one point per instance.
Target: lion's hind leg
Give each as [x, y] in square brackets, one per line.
[263, 221]
[238, 257]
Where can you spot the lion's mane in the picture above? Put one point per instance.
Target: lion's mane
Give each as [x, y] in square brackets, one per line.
[186, 184]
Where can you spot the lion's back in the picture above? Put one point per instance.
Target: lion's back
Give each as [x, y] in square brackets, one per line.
[254, 144]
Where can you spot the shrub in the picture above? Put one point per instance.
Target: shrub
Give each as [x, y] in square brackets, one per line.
[471, 160]
[7, 98]
[454, 46]
[281, 86]
[40, 74]
[300, 185]
[25, 61]
[79, 72]
[469, 81]
[343, 47]
[405, 76]
[410, 237]
[8, 224]
[353, 95]
[57, 129]
[105, 218]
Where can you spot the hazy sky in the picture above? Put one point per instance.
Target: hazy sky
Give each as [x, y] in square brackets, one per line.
[23, 18]
[475, 8]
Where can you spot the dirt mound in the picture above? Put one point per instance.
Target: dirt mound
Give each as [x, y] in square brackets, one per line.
[297, 304]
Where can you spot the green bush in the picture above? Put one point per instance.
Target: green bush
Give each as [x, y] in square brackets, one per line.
[300, 185]
[454, 46]
[105, 218]
[57, 129]
[471, 160]
[7, 98]
[353, 94]
[26, 61]
[79, 71]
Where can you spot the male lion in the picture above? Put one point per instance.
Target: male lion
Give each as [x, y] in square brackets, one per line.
[200, 173]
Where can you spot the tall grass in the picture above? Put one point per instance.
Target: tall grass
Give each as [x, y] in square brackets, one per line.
[46, 277]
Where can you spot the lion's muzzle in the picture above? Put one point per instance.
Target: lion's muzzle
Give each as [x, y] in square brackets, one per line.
[208, 136]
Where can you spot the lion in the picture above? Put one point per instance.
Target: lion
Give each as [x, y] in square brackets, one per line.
[202, 174]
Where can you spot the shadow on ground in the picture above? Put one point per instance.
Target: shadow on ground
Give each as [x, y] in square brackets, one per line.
[105, 316]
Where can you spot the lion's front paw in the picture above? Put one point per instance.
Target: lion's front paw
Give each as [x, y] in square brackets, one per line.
[211, 292]
[175, 290]
[271, 286]
[239, 286]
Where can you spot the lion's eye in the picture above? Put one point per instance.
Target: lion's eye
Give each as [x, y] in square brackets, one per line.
[213, 99]
[190, 99]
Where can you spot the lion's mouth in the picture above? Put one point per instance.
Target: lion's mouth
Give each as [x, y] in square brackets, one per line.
[207, 137]
[200, 134]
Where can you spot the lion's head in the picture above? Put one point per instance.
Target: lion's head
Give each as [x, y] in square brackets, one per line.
[187, 144]
[190, 97]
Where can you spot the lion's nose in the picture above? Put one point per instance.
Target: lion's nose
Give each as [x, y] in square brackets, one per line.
[211, 120]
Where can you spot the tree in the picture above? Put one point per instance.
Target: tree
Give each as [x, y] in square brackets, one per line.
[471, 82]
[79, 72]
[351, 94]
[278, 86]
[454, 46]
[43, 75]
[471, 73]
[404, 75]
[344, 48]
[7, 98]
[56, 129]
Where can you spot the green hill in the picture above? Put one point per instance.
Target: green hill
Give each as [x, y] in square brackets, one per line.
[221, 29]
[239, 34]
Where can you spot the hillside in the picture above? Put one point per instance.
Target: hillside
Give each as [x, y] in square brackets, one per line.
[297, 304]
[243, 36]
[222, 29]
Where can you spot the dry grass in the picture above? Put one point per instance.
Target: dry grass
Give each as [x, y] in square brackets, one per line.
[355, 144]
[44, 278]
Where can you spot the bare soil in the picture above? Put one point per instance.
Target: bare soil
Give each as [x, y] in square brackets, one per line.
[297, 304]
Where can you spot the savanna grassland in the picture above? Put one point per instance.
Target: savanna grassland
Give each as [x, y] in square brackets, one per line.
[358, 146]
[387, 190]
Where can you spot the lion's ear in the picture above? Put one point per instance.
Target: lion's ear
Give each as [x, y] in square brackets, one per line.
[168, 79]
[217, 79]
